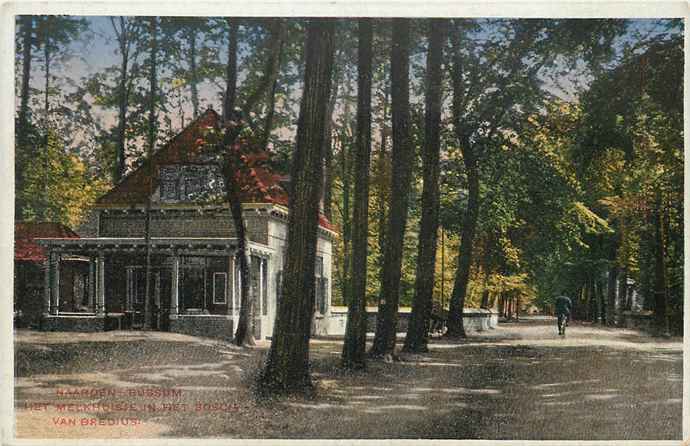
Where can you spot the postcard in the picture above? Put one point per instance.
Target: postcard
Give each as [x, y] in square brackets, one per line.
[324, 221]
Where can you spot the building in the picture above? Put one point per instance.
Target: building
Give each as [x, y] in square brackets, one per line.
[29, 276]
[194, 277]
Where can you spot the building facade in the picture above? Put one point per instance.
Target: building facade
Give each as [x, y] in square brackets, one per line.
[194, 282]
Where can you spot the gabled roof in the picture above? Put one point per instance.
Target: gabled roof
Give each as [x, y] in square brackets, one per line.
[261, 185]
[25, 233]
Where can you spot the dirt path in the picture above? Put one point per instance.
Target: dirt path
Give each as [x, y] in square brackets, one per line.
[520, 381]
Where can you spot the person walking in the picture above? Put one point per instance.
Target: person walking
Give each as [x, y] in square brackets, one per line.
[563, 307]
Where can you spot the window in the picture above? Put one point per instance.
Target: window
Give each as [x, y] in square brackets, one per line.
[318, 267]
[169, 176]
[219, 288]
[193, 182]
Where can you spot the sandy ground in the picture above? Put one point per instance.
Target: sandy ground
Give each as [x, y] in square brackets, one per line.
[520, 381]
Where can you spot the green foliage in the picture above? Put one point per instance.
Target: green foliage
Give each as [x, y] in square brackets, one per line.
[58, 186]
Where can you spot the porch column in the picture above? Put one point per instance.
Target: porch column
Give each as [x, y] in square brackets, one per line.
[231, 287]
[175, 286]
[261, 292]
[92, 284]
[55, 283]
[46, 285]
[100, 281]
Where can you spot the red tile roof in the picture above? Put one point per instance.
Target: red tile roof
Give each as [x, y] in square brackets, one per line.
[260, 186]
[25, 233]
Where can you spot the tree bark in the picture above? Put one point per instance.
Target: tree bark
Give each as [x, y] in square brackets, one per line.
[46, 110]
[418, 329]
[231, 166]
[328, 153]
[403, 152]
[456, 326]
[271, 69]
[152, 130]
[231, 71]
[383, 186]
[23, 118]
[354, 347]
[611, 295]
[346, 175]
[271, 108]
[123, 98]
[661, 316]
[622, 294]
[194, 81]
[287, 365]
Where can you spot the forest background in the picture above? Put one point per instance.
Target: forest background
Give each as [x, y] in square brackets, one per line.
[577, 184]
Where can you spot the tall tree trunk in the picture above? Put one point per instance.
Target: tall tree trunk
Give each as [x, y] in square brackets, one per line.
[231, 70]
[328, 152]
[622, 293]
[152, 130]
[383, 186]
[611, 295]
[123, 99]
[418, 328]
[287, 366]
[194, 80]
[355, 332]
[22, 128]
[661, 316]
[46, 111]
[456, 326]
[346, 175]
[271, 108]
[486, 267]
[271, 69]
[403, 152]
[593, 303]
[244, 333]
[517, 307]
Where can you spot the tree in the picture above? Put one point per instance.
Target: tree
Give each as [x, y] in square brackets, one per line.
[403, 151]
[22, 128]
[231, 167]
[127, 33]
[418, 328]
[235, 162]
[497, 86]
[287, 364]
[152, 130]
[355, 332]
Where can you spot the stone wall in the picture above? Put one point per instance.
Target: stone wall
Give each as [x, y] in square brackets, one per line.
[638, 320]
[204, 325]
[86, 323]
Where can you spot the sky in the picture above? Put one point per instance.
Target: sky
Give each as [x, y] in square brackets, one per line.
[97, 50]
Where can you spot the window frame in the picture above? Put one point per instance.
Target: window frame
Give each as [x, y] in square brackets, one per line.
[225, 288]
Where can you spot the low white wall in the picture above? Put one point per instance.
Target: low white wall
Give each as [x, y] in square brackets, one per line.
[333, 324]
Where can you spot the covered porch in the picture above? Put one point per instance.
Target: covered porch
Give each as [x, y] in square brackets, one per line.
[193, 285]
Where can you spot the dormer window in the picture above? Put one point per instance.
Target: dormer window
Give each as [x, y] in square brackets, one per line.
[170, 179]
[188, 183]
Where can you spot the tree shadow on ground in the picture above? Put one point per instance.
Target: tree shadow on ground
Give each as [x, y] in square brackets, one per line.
[480, 388]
